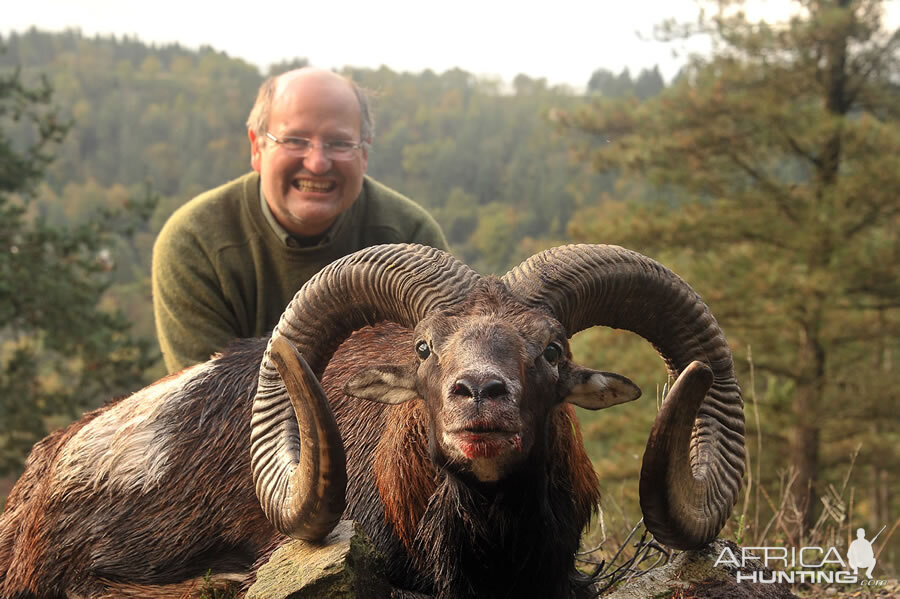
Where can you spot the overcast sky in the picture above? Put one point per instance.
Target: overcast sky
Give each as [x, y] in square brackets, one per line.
[561, 40]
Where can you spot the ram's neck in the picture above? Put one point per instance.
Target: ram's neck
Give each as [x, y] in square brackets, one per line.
[497, 544]
[484, 540]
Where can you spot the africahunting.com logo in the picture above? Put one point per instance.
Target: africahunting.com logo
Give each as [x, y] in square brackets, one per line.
[812, 565]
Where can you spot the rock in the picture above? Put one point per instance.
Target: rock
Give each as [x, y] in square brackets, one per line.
[694, 574]
[344, 566]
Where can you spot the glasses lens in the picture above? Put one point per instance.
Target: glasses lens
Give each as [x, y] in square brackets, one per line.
[297, 144]
[334, 150]
[340, 150]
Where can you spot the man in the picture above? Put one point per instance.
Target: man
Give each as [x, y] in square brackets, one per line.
[227, 263]
[860, 554]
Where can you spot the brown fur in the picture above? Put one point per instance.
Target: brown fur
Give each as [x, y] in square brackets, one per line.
[190, 589]
[577, 468]
[55, 542]
[438, 533]
[405, 476]
[20, 524]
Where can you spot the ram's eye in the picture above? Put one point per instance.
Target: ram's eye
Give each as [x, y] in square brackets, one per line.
[422, 349]
[552, 353]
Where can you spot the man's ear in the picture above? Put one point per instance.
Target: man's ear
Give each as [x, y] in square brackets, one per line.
[388, 384]
[255, 150]
[364, 153]
[595, 390]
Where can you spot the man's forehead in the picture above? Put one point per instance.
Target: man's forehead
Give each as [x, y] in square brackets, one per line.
[314, 79]
[325, 96]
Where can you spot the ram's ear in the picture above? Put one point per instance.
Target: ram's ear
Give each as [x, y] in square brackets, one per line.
[595, 390]
[388, 384]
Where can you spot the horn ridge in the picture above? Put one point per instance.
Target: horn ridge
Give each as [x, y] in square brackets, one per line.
[694, 461]
[401, 283]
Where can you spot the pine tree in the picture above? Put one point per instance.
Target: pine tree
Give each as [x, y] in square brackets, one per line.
[776, 164]
[60, 351]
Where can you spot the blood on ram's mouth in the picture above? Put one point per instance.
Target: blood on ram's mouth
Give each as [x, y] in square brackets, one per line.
[487, 444]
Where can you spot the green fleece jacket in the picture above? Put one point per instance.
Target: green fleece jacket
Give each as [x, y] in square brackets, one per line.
[222, 270]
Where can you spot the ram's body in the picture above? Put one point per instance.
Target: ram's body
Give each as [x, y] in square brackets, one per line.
[478, 487]
[152, 489]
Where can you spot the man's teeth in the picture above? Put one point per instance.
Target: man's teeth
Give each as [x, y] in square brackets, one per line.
[320, 186]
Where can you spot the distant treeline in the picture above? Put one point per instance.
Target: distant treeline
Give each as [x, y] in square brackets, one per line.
[460, 145]
[481, 155]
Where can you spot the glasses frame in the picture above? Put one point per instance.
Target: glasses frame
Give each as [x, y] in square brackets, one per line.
[327, 147]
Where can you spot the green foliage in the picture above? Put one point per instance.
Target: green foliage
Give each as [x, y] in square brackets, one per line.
[467, 149]
[648, 84]
[287, 65]
[483, 158]
[59, 351]
[773, 168]
[170, 115]
[211, 590]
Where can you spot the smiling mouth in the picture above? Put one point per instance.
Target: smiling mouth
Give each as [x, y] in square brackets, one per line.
[307, 185]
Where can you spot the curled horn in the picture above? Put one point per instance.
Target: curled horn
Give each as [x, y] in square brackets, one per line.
[402, 283]
[694, 461]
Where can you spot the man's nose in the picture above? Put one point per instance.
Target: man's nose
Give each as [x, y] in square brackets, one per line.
[316, 161]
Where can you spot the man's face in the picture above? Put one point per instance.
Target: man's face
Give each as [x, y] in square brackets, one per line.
[307, 194]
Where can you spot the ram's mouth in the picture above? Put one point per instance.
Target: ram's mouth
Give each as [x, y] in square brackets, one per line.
[480, 440]
[310, 186]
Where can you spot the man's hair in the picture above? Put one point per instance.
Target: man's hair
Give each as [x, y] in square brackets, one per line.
[258, 121]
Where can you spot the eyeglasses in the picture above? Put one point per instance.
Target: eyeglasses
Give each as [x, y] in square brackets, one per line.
[333, 150]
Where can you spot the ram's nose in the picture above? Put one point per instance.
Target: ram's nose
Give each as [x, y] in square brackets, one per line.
[479, 388]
